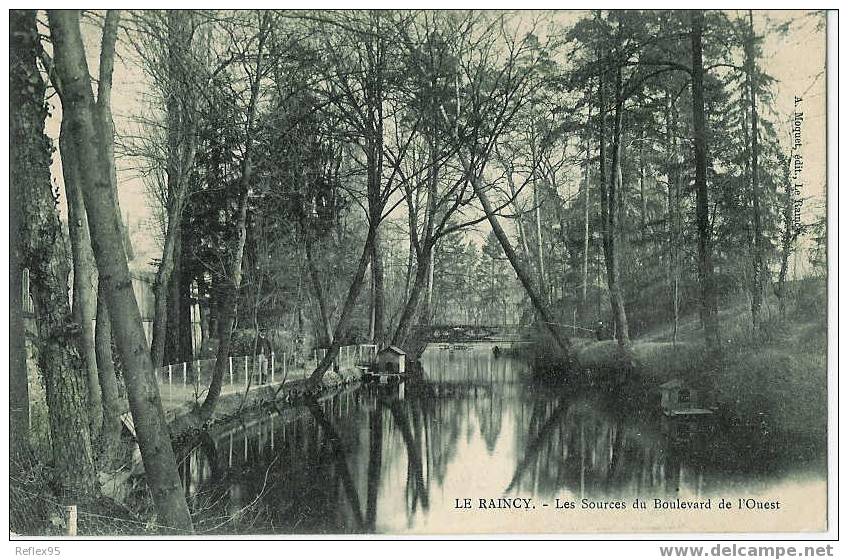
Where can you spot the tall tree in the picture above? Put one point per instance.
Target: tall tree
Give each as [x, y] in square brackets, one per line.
[611, 198]
[45, 254]
[362, 67]
[758, 264]
[21, 23]
[499, 89]
[84, 304]
[255, 66]
[706, 275]
[92, 138]
[169, 60]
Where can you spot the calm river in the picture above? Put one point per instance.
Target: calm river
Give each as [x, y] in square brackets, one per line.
[404, 460]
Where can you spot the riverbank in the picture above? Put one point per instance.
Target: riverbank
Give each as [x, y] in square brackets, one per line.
[775, 380]
[290, 392]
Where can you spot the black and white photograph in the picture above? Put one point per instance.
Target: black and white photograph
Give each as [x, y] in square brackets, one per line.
[393, 273]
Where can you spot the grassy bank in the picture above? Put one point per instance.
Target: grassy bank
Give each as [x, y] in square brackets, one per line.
[775, 378]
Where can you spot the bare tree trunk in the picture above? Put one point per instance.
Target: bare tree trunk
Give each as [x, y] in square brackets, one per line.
[185, 332]
[615, 200]
[422, 274]
[227, 310]
[379, 292]
[19, 424]
[204, 305]
[609, 208]
[347, 310]
[84, 288]
[45, 254]
[709, 304]
[586, 169]
[673, 215]
[326, 327]
[410, 263]
[540, 252]
[372, 332]
[519, 217]
[22, 121]
[111, 432]
[643, 216]
[757, 280]
[428, 315]
[93, 136]
[524, 278]
[162, 289]
[178, 338]
[182, 146]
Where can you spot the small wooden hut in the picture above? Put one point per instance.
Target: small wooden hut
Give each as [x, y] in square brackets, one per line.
[679, 399]
[391, 360]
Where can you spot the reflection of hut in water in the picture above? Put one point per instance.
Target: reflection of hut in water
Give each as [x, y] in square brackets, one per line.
[679, 399]
[391, 360]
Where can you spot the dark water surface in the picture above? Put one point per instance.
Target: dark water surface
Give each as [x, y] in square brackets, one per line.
[372, 459]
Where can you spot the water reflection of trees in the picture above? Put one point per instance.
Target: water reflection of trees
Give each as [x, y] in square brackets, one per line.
[335, 459]
[580, 445]
[320, 469]
[337, 465]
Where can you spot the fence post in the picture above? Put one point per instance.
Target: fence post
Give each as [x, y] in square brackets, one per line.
[272, 367]
[231, 370]
[245, 375]
[169, 381]
[185, 370]
[71, 512]
[285, 370]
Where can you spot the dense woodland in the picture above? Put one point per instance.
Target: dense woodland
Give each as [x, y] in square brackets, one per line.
[338, 177]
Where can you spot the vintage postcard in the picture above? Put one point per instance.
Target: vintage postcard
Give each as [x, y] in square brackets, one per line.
[398, 273]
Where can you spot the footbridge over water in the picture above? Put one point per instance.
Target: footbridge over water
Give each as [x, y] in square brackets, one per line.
[421, 335]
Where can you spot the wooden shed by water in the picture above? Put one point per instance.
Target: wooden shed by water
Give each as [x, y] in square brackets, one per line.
[391, 360]
[679, 399]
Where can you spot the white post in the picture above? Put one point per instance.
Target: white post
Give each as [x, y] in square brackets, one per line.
[170, 388]
[245, 377]
[284, 365]
[272, 367]
[72, 520]
[185, 370]
[230, 463]
[231, 370]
